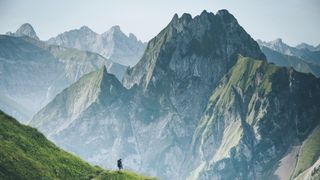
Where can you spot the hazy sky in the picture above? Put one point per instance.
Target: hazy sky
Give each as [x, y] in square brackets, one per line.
[294, 21]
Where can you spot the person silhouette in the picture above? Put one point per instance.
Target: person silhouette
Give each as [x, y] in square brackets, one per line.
[119, 163]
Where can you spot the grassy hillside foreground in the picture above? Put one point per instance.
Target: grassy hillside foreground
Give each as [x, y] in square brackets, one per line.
[27, 154]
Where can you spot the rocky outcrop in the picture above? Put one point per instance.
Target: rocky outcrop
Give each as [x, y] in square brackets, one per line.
[185, 61]
[25, 30]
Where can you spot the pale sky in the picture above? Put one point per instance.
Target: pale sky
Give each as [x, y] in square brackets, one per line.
[294, 21]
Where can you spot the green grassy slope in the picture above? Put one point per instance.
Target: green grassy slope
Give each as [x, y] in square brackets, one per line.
[309, 153]
[27, 154]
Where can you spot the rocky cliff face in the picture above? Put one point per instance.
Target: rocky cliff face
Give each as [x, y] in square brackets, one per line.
[185, 61]
[193, 108]
[113, 44]
[255, 117]
[25, 30]
[168, 91]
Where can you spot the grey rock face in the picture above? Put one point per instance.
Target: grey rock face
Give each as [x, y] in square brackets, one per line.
[152, 125]
[186, 60]
[253, 118]
[113, 44]
[25, 30]
[191, 108]
[279, 46]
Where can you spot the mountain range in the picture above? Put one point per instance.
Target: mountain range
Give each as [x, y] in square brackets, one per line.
[308, 46]
[33, 72]
[202, 103]
[112, 44]
[303, 58]
[201, 100]
[279, 46]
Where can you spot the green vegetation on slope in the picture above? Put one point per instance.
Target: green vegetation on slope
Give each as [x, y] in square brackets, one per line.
[246, 74]
[27, 154]
[309, 153]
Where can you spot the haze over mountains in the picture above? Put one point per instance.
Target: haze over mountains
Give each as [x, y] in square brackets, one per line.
[202, 100]
[33, 72]
[308, 46]
[303, 58]
[113, 44]
[202, 103]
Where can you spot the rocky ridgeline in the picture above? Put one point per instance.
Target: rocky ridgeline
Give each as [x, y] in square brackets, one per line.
[193, 107]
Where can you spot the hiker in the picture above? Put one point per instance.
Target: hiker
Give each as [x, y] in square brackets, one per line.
[120, 164]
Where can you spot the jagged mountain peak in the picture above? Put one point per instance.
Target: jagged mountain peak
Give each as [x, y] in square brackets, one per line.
[175, 21]
[274, 44]
[25, 26]
[186, 17]
[275, 41]
[113, 44]
[307, 46]
[133, 37]
[227, 16]
[278, 40]
[95, 87]
[222, 12]
[186, 60]
[191, 61]
[303, 51]
[205, 35]
[25, 29]
[114, 31]
[115, 28]
[278, 45]
[86, 29]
